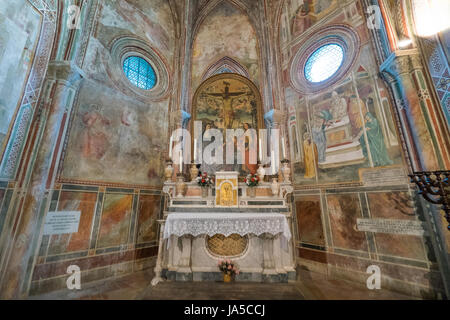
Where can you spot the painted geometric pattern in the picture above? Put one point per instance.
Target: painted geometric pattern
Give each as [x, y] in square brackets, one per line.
[10, 160]
[439, 70]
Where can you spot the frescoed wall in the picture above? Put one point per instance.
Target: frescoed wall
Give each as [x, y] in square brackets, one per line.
[347, 161]
[299, 15]
[116, 139]
[20, 25]
[225, 32]
[363, 136]
[113, 160]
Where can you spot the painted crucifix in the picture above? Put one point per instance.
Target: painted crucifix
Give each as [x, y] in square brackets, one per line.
[227, 103]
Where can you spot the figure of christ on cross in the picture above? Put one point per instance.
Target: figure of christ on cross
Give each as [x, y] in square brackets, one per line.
[227, 103]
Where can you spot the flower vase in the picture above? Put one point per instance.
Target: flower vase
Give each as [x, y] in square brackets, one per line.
[205, 192]
[275, 187]
[168, 172]
[251, 192]
[261, 172]
[194, 172]
[226, 278]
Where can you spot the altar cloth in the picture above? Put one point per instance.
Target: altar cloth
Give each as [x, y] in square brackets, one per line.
[210, 224]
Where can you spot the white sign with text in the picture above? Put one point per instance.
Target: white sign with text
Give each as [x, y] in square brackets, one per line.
[62, 222]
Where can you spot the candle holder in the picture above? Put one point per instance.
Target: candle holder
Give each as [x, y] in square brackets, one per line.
[194, 172]
[434, 186]
[275, 186]
[180, 186]
[168, 171]
[261, 171]
[286, 171]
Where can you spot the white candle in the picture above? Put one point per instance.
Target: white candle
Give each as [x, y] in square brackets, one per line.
[170, 146]
[195, 150]
[284, 148]
[272, 154]
[260, 150]
[181, 161]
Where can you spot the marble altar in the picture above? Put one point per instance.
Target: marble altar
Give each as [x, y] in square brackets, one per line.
[263, 224]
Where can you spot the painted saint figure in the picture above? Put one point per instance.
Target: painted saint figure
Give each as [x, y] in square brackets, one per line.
[311, 158]
[375, 139]
[319, 137]
[95, 140]
[356, 109]
[338, 107]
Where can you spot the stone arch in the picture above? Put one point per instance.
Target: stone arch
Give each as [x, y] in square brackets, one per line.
[225, 65]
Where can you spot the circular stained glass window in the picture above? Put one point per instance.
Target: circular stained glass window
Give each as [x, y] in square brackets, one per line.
[139, 72]
[324, 63]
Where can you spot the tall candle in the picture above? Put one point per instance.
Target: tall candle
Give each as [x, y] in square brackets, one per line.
[170, 146]
[195, 150]
[181, 161]
[260, 150]
[284, 148]
[272, 154]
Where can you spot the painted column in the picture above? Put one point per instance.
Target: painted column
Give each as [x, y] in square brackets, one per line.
[424, 149]
[21, 241]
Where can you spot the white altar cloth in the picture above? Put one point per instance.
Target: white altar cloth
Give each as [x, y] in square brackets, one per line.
[210, 224]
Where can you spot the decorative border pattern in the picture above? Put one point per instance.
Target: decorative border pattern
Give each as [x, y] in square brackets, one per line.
[33, 89]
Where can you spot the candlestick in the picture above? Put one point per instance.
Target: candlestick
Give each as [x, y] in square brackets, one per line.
[272, 155]
[181, 161]
[260, 150]
[284, 148]
[195, 150]
[170, 146]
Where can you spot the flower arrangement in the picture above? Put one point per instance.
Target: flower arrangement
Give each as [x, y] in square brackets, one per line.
[228, 267]
[252, 180]
[204, 180]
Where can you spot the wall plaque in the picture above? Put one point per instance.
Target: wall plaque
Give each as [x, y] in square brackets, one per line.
[383, 176]
[62, 222]
[392, 226]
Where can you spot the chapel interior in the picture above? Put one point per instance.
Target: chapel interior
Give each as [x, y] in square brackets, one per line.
[143, 143]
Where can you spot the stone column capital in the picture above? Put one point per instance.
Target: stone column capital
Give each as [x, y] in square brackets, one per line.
[275, 117]
[179, 118]
[401, 62]
[65, 71]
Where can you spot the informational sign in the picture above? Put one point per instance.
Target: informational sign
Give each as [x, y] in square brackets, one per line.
[62, 222]
[382, 177]
[393, 226]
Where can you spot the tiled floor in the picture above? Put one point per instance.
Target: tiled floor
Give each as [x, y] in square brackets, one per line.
[312, 286]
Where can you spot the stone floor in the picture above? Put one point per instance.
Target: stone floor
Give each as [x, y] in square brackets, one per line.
[312, 286]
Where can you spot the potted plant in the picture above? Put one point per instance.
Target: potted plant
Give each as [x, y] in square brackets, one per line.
[228, 268]
[205, 182]
[252, 180]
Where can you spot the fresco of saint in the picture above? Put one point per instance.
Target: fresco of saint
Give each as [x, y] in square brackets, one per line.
[375, 139]
[311, 156]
